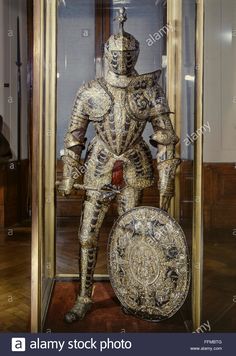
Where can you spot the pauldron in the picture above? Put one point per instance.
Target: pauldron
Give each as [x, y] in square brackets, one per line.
[145, 98]
[93, 100]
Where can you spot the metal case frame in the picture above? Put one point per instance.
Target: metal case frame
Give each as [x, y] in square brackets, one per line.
[44, 155]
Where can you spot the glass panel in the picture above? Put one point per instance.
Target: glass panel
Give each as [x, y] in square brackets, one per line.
[219, 166]
[83, 28]
[76, 65]
[79, 61]
[75, 58]
[187, 130]
[188, 77]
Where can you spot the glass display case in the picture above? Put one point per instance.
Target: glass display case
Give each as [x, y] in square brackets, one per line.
[69, 45]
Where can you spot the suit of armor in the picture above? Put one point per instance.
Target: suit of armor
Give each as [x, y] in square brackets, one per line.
[119, 106]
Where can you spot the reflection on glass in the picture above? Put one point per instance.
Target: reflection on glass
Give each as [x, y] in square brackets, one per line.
[219, 302]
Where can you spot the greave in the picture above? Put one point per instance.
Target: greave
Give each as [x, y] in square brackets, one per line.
[93, 215]
[88, 258]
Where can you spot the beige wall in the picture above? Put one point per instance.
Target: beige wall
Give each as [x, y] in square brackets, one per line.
[9, 10]
[220, 80]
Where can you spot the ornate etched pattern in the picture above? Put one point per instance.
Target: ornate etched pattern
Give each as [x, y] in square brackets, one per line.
[92, 101]
[149, 263]
[117, 130]
[137, 166]
[167, 172]
[145, 97]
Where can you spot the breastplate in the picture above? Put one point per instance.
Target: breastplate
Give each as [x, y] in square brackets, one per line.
[120, 111]
[117, 129]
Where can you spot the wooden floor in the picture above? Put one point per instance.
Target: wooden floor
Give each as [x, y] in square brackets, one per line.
[105, 315]
[219, 287]
[15, 279]
[219, 298]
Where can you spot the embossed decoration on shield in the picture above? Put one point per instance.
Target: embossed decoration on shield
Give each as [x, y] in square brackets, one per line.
[149, 263]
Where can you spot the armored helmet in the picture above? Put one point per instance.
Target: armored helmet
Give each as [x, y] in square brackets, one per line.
[122, 49]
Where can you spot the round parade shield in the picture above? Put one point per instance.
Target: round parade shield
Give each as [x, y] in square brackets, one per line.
[149, 263]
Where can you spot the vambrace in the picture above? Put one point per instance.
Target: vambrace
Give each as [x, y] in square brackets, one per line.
[166, 184]
[74, 143]
[165, 139]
